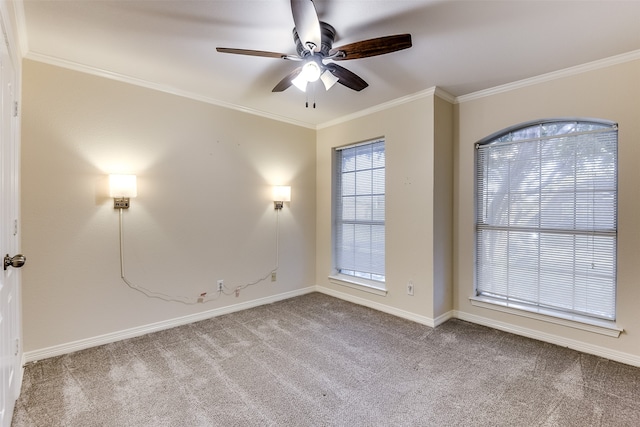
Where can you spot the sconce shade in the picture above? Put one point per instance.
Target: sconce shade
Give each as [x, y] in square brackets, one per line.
[121, 186]
[281, 193]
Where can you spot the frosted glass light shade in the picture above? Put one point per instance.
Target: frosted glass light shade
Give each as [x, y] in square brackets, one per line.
[122, 186]
[281, 193]
[328, 79]
[311, 71]
[300, 82]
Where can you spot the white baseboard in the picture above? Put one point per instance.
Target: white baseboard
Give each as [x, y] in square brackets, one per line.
[70, 347]
[57, 350]
[443, 318]
[595, 350]
[386, 308]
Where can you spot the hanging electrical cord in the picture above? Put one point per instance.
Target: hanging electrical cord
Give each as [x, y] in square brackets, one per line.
[237, 289]
[203, 297]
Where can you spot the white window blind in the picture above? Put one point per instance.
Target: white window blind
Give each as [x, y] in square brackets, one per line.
[359, 210]
[546, 217]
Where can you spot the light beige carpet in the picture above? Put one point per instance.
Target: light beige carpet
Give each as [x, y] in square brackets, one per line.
[319, 361]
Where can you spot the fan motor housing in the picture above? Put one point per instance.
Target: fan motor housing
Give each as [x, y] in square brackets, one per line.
[328, 34]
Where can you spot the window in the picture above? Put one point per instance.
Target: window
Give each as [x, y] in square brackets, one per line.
[359, 205]
[546, 218]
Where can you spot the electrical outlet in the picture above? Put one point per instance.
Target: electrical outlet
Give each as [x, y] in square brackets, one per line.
[220, 284]
[273, 276]
[410, 287]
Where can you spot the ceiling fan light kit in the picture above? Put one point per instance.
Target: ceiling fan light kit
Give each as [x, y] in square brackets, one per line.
[310, 71]
[314, 46]
[328, 79]
[300, 82]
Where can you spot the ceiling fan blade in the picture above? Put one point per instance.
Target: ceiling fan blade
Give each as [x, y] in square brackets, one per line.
[372, 47]
[307, 23]
[256, 53]
[286, 82]
[346, 77]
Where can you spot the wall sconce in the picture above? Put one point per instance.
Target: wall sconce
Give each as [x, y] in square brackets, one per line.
[281, 194]
[121, 188]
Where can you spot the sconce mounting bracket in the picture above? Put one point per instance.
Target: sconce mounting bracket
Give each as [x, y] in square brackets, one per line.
[121, 203]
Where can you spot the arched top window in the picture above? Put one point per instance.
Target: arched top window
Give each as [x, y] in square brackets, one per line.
[547, 128]
[546, 217]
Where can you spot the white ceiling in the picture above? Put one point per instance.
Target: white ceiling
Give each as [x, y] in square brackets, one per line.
[459, 46]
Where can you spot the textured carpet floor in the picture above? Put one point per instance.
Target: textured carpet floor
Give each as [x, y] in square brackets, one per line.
[319, 361]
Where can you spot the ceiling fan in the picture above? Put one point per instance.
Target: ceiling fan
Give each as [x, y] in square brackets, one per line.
[314, 46]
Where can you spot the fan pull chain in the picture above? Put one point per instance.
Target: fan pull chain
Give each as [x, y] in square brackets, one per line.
[313, 93]
[306, 102]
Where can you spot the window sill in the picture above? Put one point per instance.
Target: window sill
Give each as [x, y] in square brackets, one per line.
[365, 285]
[603, 327]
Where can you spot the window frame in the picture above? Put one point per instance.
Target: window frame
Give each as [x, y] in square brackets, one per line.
[368, 284]
[542, 312]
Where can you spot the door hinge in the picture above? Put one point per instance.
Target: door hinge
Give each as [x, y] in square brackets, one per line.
[15, 108]
[17, 347]
[15, 227]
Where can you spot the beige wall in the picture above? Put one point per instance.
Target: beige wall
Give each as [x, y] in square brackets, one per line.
[416, 248]
[611, 93]
[443, 208]
[203, 212]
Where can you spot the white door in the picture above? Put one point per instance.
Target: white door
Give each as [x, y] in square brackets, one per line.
[10, 326]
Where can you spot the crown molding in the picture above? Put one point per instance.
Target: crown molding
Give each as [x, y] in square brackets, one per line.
[554, 75]
[75, 66]
[432, 91]
[442, 94]
[34, 56]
